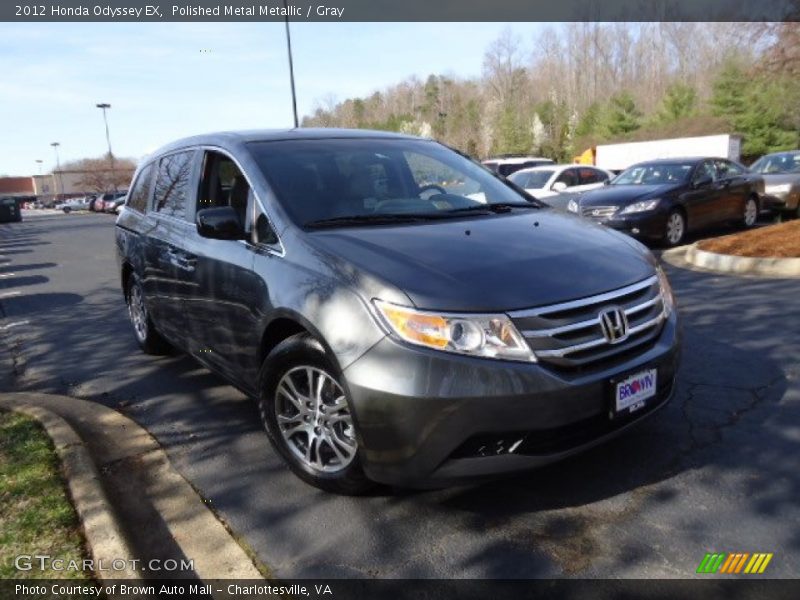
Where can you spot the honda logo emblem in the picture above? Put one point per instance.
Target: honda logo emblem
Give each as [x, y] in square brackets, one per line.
[614, 324]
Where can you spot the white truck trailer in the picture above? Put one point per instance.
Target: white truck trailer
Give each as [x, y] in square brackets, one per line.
[617, 157]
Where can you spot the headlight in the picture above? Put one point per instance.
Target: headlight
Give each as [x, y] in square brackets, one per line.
[489, 336]
[572, 206]
[642, 206]
[779, 189]
[666, 292]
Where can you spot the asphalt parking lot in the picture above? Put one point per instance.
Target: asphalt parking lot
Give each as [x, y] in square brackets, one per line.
[716, 470]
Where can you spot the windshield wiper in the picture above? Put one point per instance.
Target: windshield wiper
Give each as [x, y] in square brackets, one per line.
[498, 207]
[374, 219]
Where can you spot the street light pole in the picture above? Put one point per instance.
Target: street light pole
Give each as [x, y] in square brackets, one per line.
[104, 106]
[55, 146]
[291, 66]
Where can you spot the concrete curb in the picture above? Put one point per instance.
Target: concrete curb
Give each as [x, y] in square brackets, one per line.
[129, 462]
[738, 265]
[103, 534]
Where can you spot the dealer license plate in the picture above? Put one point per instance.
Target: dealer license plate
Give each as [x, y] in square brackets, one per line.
[632, 393]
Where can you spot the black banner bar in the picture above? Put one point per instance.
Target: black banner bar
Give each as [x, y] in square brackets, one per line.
[405, 10]
[711, 588]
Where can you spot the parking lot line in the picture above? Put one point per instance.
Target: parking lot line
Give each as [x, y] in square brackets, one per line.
[14, 324]
[9, 294]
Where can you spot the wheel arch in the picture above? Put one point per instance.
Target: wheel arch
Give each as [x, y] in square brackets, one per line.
[283, 325]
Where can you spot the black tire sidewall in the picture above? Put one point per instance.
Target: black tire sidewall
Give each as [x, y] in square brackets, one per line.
[300, 350]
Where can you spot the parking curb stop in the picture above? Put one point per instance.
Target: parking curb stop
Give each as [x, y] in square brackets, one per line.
[744, 265]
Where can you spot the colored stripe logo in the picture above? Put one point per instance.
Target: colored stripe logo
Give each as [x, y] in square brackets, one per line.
[734, 563]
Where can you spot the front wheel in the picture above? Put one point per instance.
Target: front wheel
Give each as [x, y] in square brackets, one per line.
[750, 213]
[66, 210]
[306, 412]
[675, 228]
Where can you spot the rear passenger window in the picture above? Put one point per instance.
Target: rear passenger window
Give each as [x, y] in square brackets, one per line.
[588, 176]
[172, 184]
[140, 192]
[570, 177]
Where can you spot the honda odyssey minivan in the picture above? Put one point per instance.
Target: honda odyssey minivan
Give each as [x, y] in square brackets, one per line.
[399, 313]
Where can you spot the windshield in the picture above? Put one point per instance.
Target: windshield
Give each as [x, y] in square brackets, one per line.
[531, 179]
[785, 162]
[325, 179]
[654, 174]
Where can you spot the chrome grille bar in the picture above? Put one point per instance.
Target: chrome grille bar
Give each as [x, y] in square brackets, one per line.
[562, 352]
[598, 299]
[539, 333]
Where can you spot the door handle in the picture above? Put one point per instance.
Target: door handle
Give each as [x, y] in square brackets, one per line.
[180, 260]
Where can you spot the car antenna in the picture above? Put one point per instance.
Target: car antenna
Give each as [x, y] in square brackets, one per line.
[291, 65]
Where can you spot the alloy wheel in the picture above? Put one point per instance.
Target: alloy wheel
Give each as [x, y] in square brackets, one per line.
[314, 419]
[675, 227]
[750, 212]
[138, 312]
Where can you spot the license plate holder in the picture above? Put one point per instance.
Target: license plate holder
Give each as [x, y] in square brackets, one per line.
[633, 391]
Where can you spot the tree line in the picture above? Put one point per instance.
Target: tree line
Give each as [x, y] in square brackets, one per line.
[580, 84]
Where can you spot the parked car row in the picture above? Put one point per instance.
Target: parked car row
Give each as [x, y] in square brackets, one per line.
[663, 200]
[108, 203]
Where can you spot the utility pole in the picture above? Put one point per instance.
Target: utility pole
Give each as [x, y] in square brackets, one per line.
[55, 146]
[291, 66]
[104, 106]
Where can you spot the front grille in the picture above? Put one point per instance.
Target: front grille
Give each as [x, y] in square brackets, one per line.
[598, 212]
[570, 336]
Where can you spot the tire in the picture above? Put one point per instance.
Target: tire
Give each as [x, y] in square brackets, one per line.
[675, 228]
[322, 448]
[149, 340]
[66, 210]
[750, 216]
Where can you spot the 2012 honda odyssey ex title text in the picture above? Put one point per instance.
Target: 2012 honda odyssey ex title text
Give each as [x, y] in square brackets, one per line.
[400, 314]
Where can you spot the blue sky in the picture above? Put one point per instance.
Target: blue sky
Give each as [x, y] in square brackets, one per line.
[169, 80]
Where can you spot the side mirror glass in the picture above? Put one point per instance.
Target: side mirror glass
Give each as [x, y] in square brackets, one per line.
[219, 223]
[559, 186]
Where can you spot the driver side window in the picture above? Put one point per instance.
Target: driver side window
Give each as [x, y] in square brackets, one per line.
[705, 170]
[223, 184]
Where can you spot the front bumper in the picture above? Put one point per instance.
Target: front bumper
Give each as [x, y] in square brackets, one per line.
[781, 200]
[430, 418]
[644, 225]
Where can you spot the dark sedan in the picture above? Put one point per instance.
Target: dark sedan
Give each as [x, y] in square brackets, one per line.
[664, 199]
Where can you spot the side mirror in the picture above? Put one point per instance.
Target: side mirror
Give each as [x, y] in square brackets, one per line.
[558, 186]
[219, 223]
[702, 182]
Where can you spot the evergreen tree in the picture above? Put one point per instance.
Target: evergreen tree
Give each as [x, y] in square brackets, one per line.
[679, 101]
[622, 115]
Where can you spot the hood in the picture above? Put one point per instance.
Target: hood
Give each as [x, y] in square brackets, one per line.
[621, 195]
[780, 178]
[495, 263]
